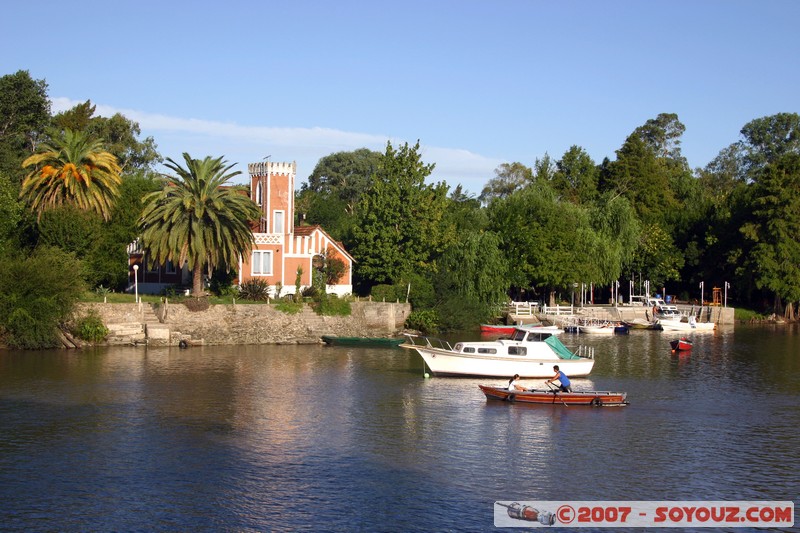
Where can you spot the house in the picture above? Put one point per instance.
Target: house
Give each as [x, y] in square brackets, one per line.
[280, 248]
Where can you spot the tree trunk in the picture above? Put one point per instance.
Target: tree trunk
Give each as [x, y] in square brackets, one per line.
[197, 280]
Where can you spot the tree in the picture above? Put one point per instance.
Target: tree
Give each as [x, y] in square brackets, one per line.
[400, 229]
[197, 219]
[34, 301]
[576, 176]
[72, 169]
[767, 139]
[775, 228]
[509, 178]
[344, 175]
[119, 134]
[24, 115]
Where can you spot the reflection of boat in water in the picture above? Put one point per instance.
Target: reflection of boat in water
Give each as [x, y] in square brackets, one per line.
[555, 397]
[531, 352]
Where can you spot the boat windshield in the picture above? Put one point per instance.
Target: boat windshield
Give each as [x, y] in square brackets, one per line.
[519, 335]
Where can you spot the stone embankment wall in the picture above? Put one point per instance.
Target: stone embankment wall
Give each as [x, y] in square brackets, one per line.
[170, 323]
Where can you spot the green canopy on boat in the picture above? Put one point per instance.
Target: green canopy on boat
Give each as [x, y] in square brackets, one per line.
[558, 347]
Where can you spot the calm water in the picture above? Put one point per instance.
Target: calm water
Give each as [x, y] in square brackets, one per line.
[323, 438]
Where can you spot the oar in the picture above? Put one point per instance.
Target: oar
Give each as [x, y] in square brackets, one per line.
[555, 393]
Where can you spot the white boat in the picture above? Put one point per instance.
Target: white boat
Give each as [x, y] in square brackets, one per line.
[684, 324]
[531, 352]
[597, 328]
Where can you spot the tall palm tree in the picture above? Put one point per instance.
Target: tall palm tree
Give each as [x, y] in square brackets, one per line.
[195, 218]
[72, 168]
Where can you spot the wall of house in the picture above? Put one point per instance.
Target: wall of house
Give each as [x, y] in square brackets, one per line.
[244, 323]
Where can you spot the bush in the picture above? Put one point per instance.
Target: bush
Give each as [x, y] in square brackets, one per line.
[289, 307]
[90, 327]
[426, 321]
[197, 304]
[333, 306]
[256, 290]
[384, 293]
[36, 297]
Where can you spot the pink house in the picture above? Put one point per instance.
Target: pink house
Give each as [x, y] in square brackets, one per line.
[280, 247]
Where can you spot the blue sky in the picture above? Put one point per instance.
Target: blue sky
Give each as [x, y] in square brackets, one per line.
[478, 83]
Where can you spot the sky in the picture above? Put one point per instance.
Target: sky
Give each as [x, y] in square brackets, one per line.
[477, 83]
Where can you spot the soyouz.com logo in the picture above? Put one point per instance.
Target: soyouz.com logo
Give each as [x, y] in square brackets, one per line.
[644, 514]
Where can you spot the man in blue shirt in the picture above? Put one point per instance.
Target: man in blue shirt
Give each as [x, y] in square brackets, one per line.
[562, 378]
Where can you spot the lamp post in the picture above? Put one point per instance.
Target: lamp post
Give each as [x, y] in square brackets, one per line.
[136, 281]
[725, 302]
[702, 283]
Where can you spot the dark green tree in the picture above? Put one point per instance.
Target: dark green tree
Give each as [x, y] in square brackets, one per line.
[576, 176]
[24, 115]
[400, 226]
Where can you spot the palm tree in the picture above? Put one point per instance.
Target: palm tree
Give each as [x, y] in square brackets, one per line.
[71, 168]
[195, 218]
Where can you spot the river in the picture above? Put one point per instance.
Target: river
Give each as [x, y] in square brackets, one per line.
[320, 438]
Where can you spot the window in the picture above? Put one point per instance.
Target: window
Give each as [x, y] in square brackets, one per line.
[170, 267]
[517, 350]
[469, 350]
[261, 263]
[487, 350]
[277, 222]
[258, 193]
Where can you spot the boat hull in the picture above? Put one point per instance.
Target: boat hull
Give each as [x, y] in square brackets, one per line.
[681, 345]
[677, 325]
[491, 329]
[446, 363]
[378, 342]
[549, 397]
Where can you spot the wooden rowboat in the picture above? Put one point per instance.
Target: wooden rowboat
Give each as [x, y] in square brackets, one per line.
[373, 342]
[551, 397]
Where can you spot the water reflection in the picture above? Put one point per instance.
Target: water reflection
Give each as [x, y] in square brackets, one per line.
[336, 438]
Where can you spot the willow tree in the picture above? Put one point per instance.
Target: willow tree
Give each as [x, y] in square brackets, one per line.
[195, 218]
[72, 169]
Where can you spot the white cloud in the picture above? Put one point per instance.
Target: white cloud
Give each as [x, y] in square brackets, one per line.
[247, 144]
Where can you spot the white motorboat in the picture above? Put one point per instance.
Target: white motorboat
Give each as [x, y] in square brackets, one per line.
[531, 352]
[685, 324]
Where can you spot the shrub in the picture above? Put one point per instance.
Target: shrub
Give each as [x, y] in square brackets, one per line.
[197, 304]
[90, 327]
[333, 306]
[384, 293]
[289, 307]
[36, 296]
[254, 289]
[426, 321]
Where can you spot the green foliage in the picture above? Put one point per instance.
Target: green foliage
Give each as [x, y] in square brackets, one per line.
[509, 178]
[401, 225]
[90, 327]
[37, 294]
[298, 282]
[74, 169]
[120, 136]
[10, 211]
[255, 289]
[290, 308]
[475, 268]
[332, 305]
[426, 321]
[24, 115]
[197, 218]
[222, 282]
[342, 177]
[457, 313]
[385, 293]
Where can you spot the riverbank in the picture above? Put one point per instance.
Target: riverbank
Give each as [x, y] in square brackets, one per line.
[174, 324]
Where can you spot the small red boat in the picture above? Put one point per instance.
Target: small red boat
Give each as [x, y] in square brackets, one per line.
[555, 397]
[497, 329]
[681, 345]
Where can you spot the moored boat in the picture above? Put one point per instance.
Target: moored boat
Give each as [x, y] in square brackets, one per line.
[681, 345]
[531, 352]
[497, 329]
[377, 342]
[685, 324]
[554, 397]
